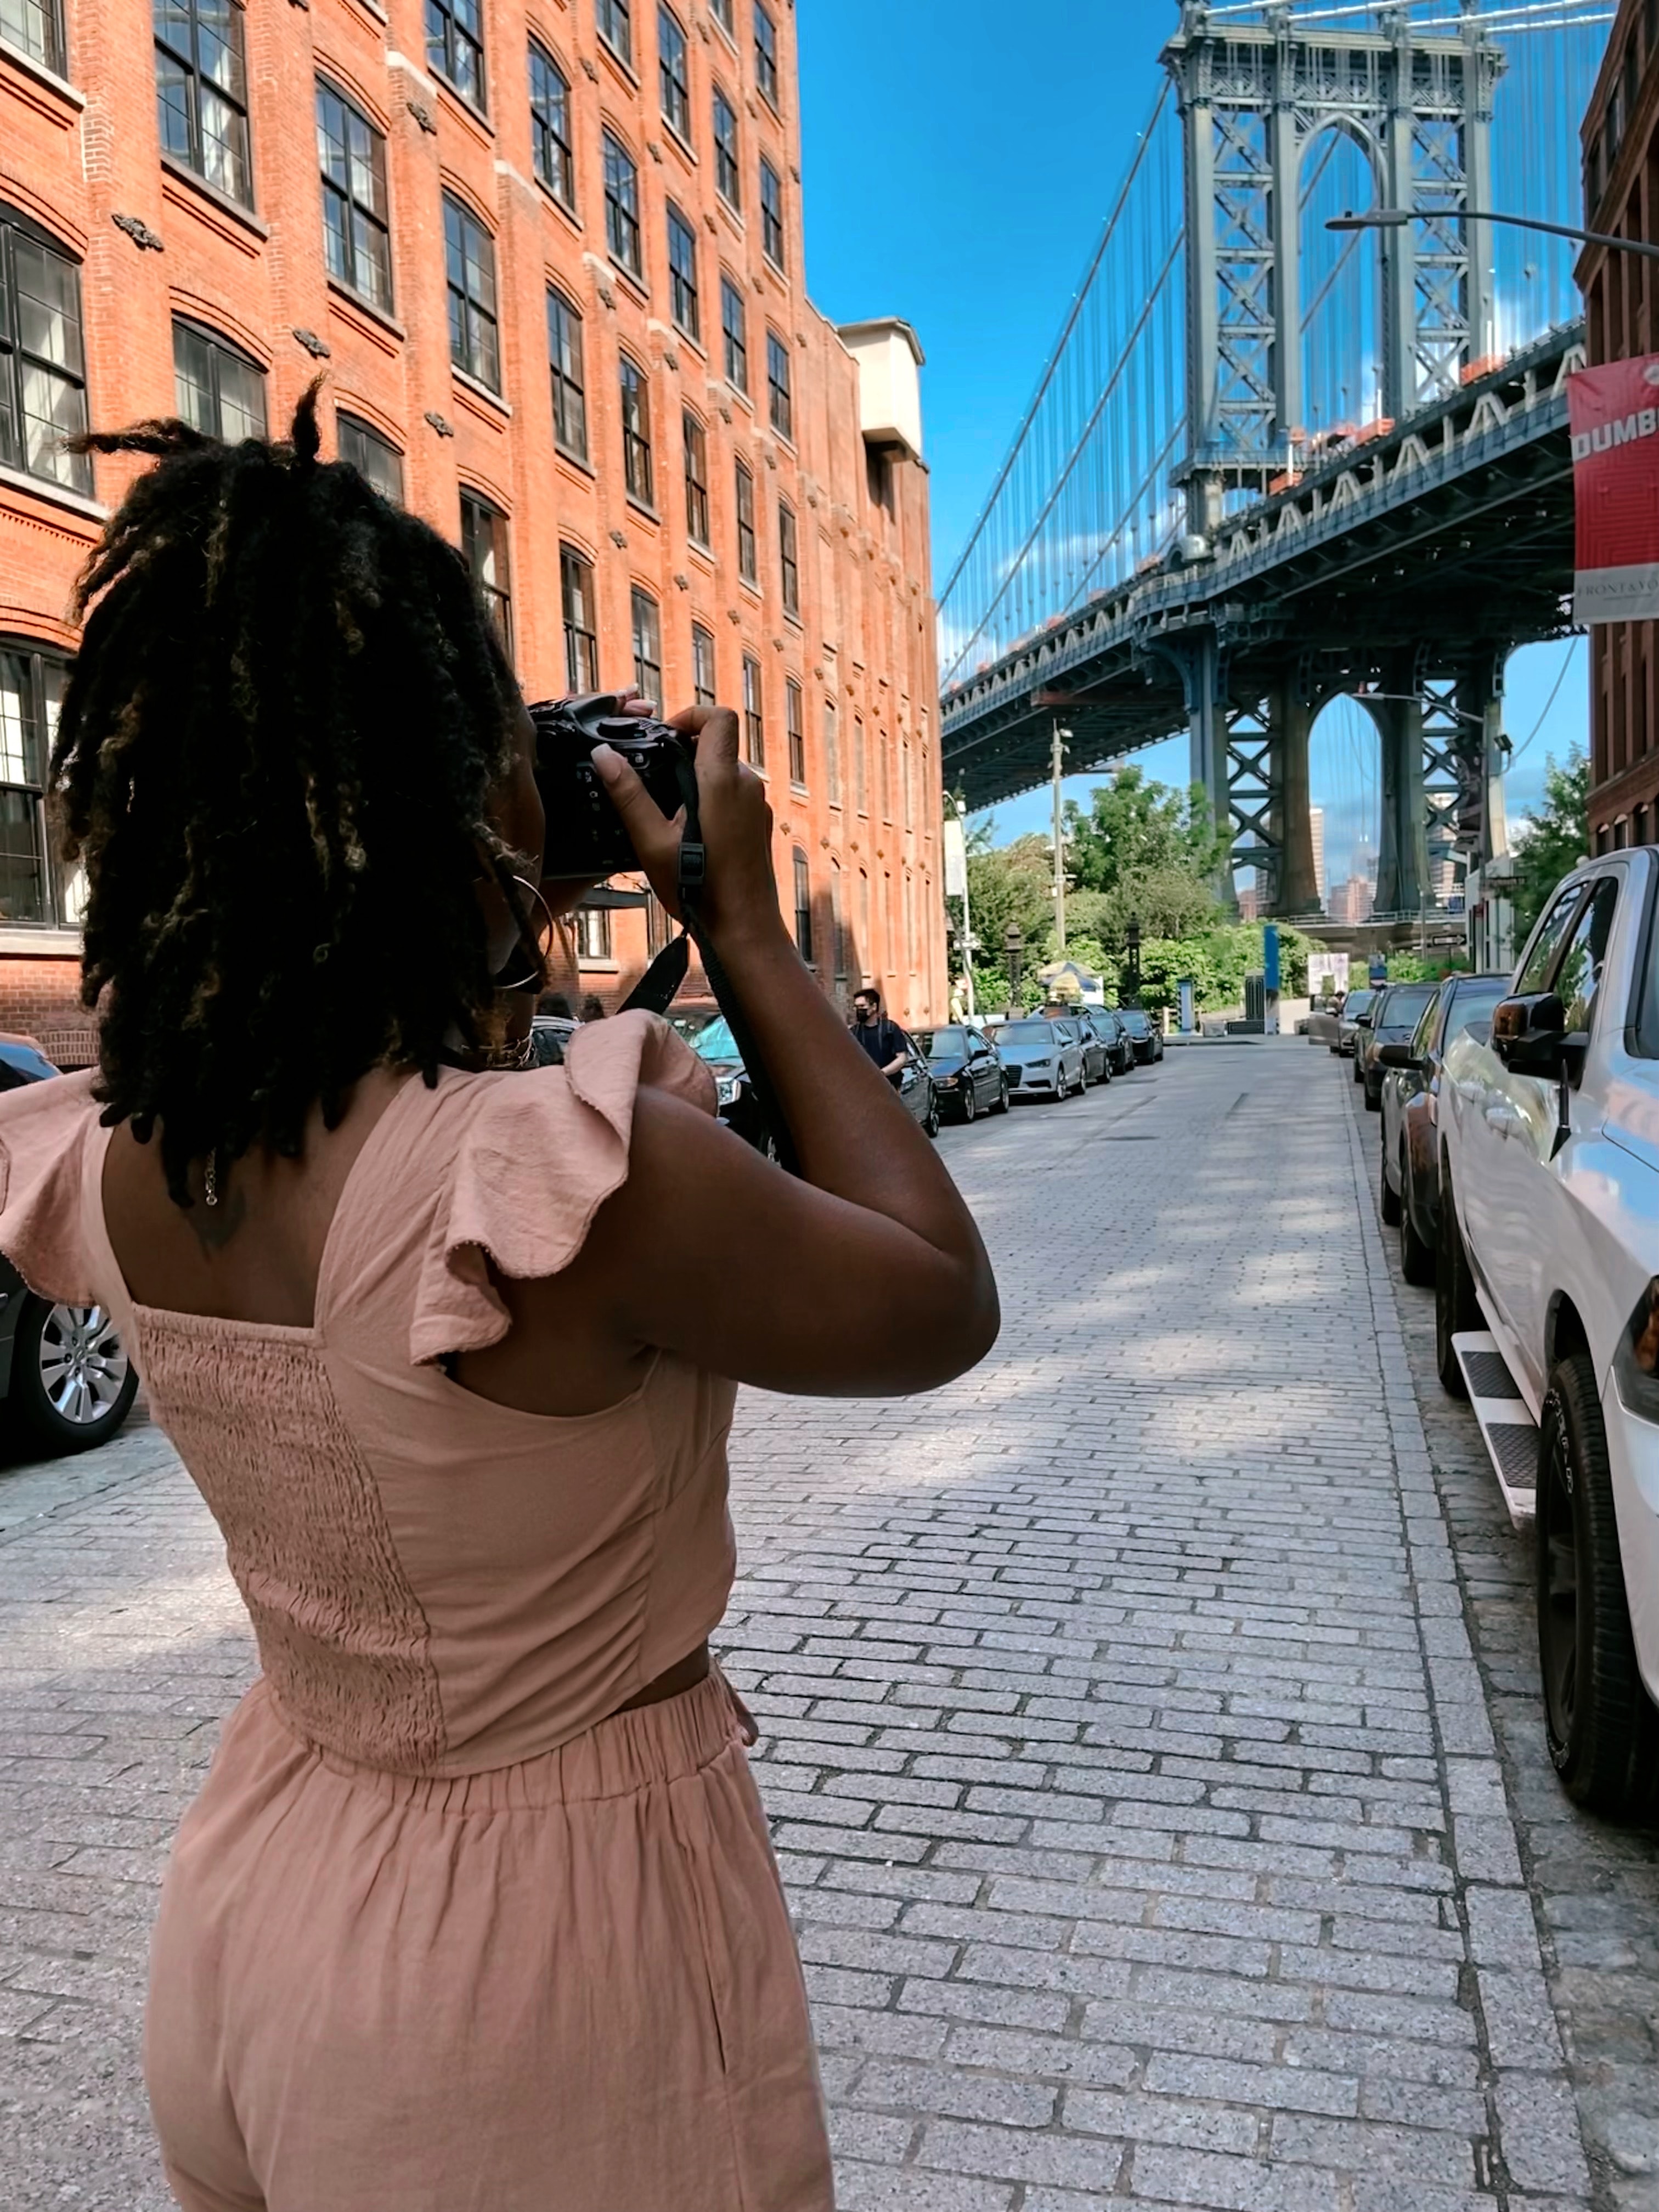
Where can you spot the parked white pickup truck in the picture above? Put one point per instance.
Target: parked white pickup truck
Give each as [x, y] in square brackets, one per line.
[1546, 1304]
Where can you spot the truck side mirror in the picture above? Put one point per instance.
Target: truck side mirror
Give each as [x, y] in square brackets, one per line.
[1529, 1034]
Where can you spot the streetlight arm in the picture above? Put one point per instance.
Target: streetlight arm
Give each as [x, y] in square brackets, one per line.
[1397, 218]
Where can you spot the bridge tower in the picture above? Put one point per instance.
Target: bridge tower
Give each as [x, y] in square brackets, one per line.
[1254, 93]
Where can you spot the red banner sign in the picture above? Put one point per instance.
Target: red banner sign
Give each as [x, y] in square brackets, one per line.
[1613, 414]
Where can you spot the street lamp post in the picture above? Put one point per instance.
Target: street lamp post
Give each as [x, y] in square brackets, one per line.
[1013, 945]
[1397, 218]
[1132, 970]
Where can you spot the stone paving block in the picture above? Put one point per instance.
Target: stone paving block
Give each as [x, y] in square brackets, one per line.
[1537, 2135]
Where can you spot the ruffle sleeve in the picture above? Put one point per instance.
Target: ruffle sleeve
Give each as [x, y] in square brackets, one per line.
[44, 1132]
[540, 1154]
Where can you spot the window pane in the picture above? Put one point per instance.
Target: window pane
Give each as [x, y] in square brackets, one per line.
[702, 667]
[615, 27]
[780, 404]
[648, 646]
[373, 457]
[726, 150]
[1578, 978]
[733, 328]
[745, 501]
[550, 109]
[241, 400]
[36, 26]
[683, 274]
[564, 346]
[766, 54]
[484, 542]
[675, 77]
[201, 89]
[771, 193]
[580, 643]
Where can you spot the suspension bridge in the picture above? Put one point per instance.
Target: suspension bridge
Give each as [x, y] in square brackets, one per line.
[1269, 465]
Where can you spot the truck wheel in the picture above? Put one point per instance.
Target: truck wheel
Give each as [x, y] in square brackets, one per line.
[1388, 1204]
[1457, 1308]
[1603, 1731]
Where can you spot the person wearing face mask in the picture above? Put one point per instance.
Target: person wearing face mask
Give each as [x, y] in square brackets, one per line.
[476, 1906]
[884, 1041]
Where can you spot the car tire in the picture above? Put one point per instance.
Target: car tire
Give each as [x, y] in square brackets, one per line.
[930, 1119]
[1002, 1106]
[1457, 1308]
[969, 1105]
[1373, 1099]
[54, 1347]
[1416, 1258]
[1602, 1728]
[1387, 1200]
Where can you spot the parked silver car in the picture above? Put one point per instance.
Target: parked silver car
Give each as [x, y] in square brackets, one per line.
[1043, 1058]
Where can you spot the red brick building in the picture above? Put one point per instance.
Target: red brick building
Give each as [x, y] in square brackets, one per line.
[1621, 138]
[550, 257]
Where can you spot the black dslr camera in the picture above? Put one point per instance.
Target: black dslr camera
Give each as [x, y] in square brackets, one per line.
[585, 834]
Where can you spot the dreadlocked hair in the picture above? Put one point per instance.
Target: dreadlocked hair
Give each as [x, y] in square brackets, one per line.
[274, 758]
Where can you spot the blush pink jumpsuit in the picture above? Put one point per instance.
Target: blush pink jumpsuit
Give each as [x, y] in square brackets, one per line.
[445, 1931]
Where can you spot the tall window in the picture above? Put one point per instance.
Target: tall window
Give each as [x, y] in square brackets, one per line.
[673, 73]
[727, 179]
[837, 921]
[637, 431]
[733, 329]
[32, 890]
[616, 20]
[484, 542]
[721, 12]
[831, 753]
[683, 274]
[771, 200]
[621, 206]
[746, 488]
[217, 389]
[201, 89]
[36, 26]
[860, 766]
[788, 560]
[648, 645]
[703, 665]
[581, 644]
[549, 126]
[780, 404]
[794, 727]
[470, 273]
[564, 355]
[696, 478]
[374, 458]
[766, 54]
[592, 933]
[802, 907]
[355, 241]
[454, 45]
[754, 720]
[43, 372]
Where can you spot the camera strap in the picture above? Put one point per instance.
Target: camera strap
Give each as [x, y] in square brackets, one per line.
[656, 989]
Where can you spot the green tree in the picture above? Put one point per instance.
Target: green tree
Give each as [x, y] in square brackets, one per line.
[1134, 825]
[1554, 840]
[1010, 883]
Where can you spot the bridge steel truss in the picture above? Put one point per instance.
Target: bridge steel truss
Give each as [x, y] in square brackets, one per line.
[1400, 573]
[1400, 567]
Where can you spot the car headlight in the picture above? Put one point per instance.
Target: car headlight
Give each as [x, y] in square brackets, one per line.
[945, 1082]
[728, 1088]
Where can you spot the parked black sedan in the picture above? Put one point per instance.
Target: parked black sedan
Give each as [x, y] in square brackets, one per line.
[968, 1075]
[1409, 1185]
[1120, 1046]
[1144, 1036]
[710, 1037]
[65, 1373]
[1390, 1019]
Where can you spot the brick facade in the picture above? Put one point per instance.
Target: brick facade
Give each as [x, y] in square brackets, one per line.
[80, 158]
[1621, 197]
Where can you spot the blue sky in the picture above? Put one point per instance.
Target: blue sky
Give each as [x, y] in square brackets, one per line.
[958, 163]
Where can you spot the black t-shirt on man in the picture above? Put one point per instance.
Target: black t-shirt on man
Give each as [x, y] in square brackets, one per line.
[883, 1039]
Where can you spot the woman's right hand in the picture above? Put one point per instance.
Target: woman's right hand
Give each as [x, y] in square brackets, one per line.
[740, 892]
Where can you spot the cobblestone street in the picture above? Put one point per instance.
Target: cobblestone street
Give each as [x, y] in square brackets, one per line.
[1149, 1732]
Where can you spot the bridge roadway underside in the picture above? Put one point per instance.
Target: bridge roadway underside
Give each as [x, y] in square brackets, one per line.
[1417, 560]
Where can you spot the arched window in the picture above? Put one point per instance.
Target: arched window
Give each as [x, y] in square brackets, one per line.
[564, 357]
[217, 388]
[621, 206]
[549, 123]
[802, 907]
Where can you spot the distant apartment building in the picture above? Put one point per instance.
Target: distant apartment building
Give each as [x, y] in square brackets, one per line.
[1620, 142]
[549, 259]
[1351, 900]
[1316, 823]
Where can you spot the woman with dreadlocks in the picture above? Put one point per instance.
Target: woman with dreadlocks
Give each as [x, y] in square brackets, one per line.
[476, 1907]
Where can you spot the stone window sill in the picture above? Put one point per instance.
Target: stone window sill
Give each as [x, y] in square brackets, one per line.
[43, 74]
[55, 495]
[211, 193]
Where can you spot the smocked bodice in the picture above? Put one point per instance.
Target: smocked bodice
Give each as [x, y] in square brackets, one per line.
[438, 1583]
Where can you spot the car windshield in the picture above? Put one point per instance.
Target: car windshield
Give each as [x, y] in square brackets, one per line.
[1403, 1007]
[1358, 1002]
[942, 1044]
[1026, 1033]
[1472, 1003]
[715, 1041]
[1137, 1024]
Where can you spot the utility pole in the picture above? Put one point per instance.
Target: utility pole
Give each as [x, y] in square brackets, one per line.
[1061, 737]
